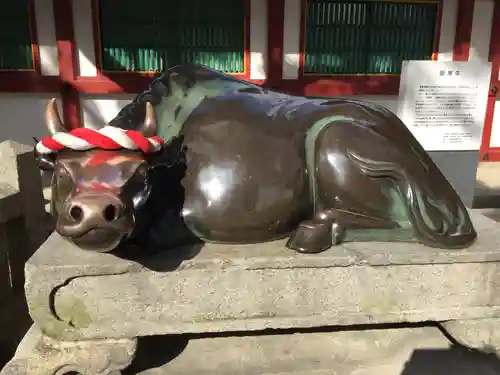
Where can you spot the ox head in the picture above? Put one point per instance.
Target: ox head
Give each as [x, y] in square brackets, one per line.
[96, 193]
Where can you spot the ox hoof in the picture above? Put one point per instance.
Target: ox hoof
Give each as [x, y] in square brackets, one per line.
[313, 236]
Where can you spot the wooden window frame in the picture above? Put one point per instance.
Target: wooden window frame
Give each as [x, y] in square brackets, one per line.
[319, 84]
[303, 40]
[98, 47]
[35, 52]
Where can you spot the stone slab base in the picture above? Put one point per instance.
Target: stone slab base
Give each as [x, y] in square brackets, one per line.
[402, 351]
[76, 295]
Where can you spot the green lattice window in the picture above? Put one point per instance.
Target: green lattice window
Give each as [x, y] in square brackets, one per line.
[15, 40]
[367, 37]
[152, 35]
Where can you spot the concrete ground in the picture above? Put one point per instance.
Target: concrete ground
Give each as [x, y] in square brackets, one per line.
[487, 193]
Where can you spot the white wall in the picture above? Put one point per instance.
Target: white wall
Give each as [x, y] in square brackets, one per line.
[84, 37]
[46, 35]
[258, 39]
[97, 111]
[291, 39]
[23, 116]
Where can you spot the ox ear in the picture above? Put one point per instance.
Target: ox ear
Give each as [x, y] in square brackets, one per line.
[148, 127]
[44, 162]
[53, 121]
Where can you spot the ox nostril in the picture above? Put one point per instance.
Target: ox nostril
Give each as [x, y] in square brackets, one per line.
[76, 213]
[110, 212]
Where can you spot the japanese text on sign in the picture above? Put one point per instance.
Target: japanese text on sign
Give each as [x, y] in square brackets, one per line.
[444, 103]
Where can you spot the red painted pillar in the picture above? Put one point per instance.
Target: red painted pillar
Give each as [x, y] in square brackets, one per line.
[66, 49]
[463, 32]
[486, 153]
[275, 25]
[495, 48]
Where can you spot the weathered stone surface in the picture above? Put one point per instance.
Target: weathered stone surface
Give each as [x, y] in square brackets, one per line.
[406, 351]
[480, 334]
[253, 287]
[21, 189]
[22, 230]
[40, 355]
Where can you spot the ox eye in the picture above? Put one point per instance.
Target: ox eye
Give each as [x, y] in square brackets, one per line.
[63, 179]
[141, 187]
[141, 198]
[64, 184]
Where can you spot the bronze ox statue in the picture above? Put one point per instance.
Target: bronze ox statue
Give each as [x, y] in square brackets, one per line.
[244, 164]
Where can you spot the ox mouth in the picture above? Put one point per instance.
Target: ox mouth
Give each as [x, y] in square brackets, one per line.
[98, 240]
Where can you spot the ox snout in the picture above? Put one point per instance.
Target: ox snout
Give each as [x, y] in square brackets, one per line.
[96, 222]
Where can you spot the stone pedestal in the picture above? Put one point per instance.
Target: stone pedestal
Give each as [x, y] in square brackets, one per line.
[401, 351]
[76, 296]
[40, 355]
[22, 231]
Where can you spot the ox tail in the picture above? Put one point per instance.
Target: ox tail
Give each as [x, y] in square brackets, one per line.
[442, 223]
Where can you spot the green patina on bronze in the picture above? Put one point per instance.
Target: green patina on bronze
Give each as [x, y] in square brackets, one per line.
[173, 111]
[398, 210]
[311, 137]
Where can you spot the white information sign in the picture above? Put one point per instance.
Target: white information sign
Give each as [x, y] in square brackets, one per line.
[443, 103]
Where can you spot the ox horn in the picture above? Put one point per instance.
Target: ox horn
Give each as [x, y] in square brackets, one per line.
[148, 127]
[52, 119]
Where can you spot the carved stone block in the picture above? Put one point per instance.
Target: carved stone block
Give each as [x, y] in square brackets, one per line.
[41, 355]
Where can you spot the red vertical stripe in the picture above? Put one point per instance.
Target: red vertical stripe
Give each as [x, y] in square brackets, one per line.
[464, 28]
[275, 24]
[495, 44]
[247, 6]
[66, 49]
[487, 153]
[437, 31]
[303, 26]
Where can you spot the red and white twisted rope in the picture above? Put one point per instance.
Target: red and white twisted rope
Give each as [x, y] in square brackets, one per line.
[106, 138]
